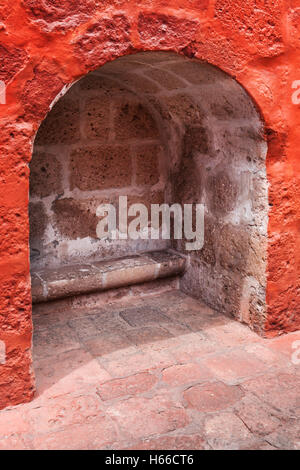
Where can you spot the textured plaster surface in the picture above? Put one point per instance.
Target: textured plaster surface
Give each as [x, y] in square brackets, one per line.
[47, 47]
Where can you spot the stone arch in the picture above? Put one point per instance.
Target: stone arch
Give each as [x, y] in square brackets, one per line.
[49, 54]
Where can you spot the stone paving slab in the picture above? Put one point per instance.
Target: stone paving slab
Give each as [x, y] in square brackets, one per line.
[161, 383]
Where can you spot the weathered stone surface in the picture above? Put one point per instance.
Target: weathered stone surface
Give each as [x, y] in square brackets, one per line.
[37, 290]
[104, 85]
[280, 390]
[223, 192]
[232, 366]
[62, 125]
[15, 142]
[53, 15]
[182, 106]
[168, 262]
[212, 397]
[78, 279]
[160, 415]
[12, 240]
[96, 117]
[178, 442]
[165, 79]
[227, 432]
[147, 198]
[45, 175]
[38, 222]
[188, 178]
[257, 416]
[76, 219]
[196, 140]
[189, 70]
[104, 344]
[100, 167]
[134, 121]
[234, 245]
[36, 103]
[139, 317]
[106, 38]
[139, 83]
[70, 280]
[133, 385]
[144, 337]
[13, 60]
[262, 27]
[163, 30]
[17, 368]
[16, 315]
[147, 164]
[185, 374]
[198, 5]
[210, 249]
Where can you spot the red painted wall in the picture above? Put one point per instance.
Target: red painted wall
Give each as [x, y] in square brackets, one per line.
[45, 45]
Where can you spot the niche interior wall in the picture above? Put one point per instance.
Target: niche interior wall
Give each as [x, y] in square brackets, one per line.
[157, 127]
[45, 48]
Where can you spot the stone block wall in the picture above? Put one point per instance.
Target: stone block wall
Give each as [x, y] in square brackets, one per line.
[157, 128]
[98, 142]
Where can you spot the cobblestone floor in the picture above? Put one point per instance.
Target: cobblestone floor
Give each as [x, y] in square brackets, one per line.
[165, 372]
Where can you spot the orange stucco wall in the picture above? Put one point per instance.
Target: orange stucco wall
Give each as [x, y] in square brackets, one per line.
[45, 45]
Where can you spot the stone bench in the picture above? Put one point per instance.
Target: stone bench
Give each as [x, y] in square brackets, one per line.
[66, 281]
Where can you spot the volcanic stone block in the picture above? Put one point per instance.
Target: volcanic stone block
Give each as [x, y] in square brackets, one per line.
[36, 288]
[155, 58]
[261, 27]
[162, 30]
[222, 192]
[232, 103]
[208, 253]
[147, 199]
[100, 167]
[184, 108]
[96, 117]
[106, 36]
[62, 125]
[140, 316]
[168, 262]
[256, 263]
[257, 309]
[77, 218]
[127, 271]
[103, 275]
[134, 121]
[165, 79]
[45, 175]
[35, 101]
[38, 222]
[12, 61]
[234, 248]
[61, 15]
[188, 178]
[147, 163]
[190, 70]
[139, 83]
[71, 280]
[196, 140]
[232, 294]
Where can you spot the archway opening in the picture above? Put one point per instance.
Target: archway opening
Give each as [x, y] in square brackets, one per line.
[156, 128]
